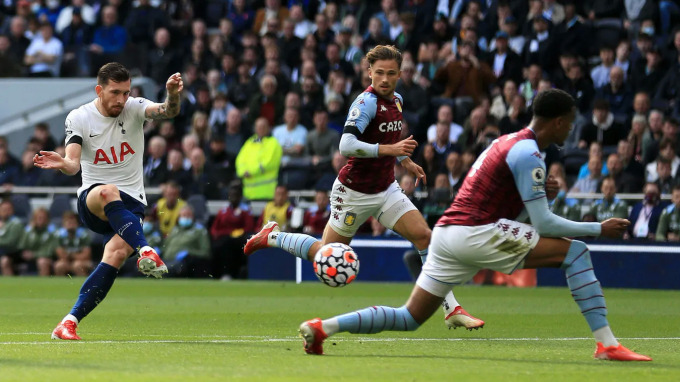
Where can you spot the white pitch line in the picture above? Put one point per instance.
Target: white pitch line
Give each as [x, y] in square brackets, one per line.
[355, 339]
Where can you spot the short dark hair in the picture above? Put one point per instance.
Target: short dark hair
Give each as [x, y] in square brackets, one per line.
[384, 52]
[553, 103]
[676, 187]
[601, 104]
[113, 71]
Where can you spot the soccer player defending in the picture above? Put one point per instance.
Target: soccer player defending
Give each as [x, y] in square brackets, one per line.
[105, 139]
[481, 230]
[366, 186]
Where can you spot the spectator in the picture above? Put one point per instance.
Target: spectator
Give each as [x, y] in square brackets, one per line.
[18, 42]
[595, 150]
[241, 17]
[162, 59]
[232, 224]
[415, 107]
[200, 128]
[220, 160]
[143, 24]
[562, 206]
[408, 187]
[529, 88]
[29, 174]
[45, 53]
[272, 10]
[66, 15]
[665, 180]
[647, 74]
[42, 133]
[55, 178]
[668, 228]
[638, 127]
[603, 128]
[39, 242]
[589, 184]
[540, 46]
[317, 216]
[267, 103]
[109, 39]
[600, 73]
[442, 145]
[77, 38]
[176, 171]
[609, 206]
[506, 64]
[321, 144]
[155, 165]
[291, 136]
[278, 210]
[258, 163]
[167, 208]
[189, 143]
[580, 87]
[501, 103]
[234, 135]
[9, 171]
[455, 170]
[652, 136]
[666, 152]
[644, 217]
[9, 65]
[618, 94]
[327, 179]
[74, 255]
[517, 117]
[466, 79]
[473, 128]
[445, 116]
[204, 180]
[186, 250]
[11, 232]
[625, 181]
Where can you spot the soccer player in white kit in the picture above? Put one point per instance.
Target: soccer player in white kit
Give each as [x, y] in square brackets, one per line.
[105, 139]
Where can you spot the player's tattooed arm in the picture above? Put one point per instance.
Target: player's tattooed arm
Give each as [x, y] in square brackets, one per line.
[170, 108]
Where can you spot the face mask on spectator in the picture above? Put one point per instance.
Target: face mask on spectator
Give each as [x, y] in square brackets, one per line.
[147, 227]
[184, 222]
[651, 197]
[648, 30]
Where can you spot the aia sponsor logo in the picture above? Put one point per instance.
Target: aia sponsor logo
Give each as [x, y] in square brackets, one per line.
[115, 157]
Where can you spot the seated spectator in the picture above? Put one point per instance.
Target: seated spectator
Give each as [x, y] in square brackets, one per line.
[600, 73]
[167, 208]
[74, 255]
[630, 166]
[644, 217]
[268, 103]
[176, 171]
[325, 182]
[257, 164]
[595, 150]
[442, 145]
[204, 179]
[667, 153]
[28, 174]
[455, 171]
[517, 117]
[155, 164]
[234, 135]
[220, 160]
[652, 136]
[562, 206]
[445, 115]
[665, 181]
[109, 40]
[589, 183]
[42, 133]
[229, 230]
[603, 128]
[77, 38]
[11, 232]
[316, 216]
[408, 186]
[609, 206]
[415, 108]
[501, 103]
[321, 144]
[39, 242]
[426, 160]
[292, 137]
[44, 54]
[186, 250]
[278, 210]
[625, 182]
[669, 221]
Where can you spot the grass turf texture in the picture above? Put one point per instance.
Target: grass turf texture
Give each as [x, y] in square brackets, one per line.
[181, 330]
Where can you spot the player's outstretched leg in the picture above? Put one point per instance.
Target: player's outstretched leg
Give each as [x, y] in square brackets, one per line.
[587, 292]
[129, 227]
[454, 314]
[297, 244]
[370, 320]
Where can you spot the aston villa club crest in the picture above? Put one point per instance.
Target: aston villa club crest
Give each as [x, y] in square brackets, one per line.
[350, 218]
[396, 101]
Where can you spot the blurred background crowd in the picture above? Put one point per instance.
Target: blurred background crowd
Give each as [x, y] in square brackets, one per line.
[267, 89]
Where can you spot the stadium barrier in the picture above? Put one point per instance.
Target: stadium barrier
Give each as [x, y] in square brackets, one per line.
[617, 264]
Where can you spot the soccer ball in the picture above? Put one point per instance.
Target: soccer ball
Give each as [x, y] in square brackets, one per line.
[336, 264]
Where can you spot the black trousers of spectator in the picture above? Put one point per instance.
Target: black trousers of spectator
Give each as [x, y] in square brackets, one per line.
[228, 258]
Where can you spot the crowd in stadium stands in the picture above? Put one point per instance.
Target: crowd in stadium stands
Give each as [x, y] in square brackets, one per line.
[267, 85]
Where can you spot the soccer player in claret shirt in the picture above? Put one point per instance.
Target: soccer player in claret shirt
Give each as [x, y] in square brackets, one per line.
[366, 186]
[481, 229]
[104, 139]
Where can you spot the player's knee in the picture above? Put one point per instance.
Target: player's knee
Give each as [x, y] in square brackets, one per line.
[422, 238]
[109, 193]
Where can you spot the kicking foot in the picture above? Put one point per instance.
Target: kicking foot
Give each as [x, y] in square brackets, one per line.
[313, 336]
[460, 318]
[150, 264]
[261, 239]
[66, 331]
[618, 353]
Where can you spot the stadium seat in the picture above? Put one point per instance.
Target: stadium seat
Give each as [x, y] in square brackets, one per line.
[573, 159]
[60, 204]
[608, 32]
[200, 206]
[22, 206]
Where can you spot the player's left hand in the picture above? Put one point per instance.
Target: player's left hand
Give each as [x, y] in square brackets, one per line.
[552, 187]
[414, 169]
[174, 84]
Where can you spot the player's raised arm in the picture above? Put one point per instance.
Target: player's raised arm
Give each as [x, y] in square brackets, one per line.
[69, 164]
[170, 107]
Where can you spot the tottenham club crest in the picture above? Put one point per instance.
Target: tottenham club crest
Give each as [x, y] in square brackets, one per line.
[354, 113]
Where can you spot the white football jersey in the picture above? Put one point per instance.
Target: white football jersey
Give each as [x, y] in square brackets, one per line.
[113, 147]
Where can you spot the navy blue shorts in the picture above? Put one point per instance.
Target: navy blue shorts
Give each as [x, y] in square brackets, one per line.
[100, 226]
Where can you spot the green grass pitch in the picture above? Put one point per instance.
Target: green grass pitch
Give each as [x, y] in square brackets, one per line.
[183, 330]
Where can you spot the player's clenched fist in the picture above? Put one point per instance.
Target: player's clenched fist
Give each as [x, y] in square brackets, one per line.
[174, 84]
[614, 227]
